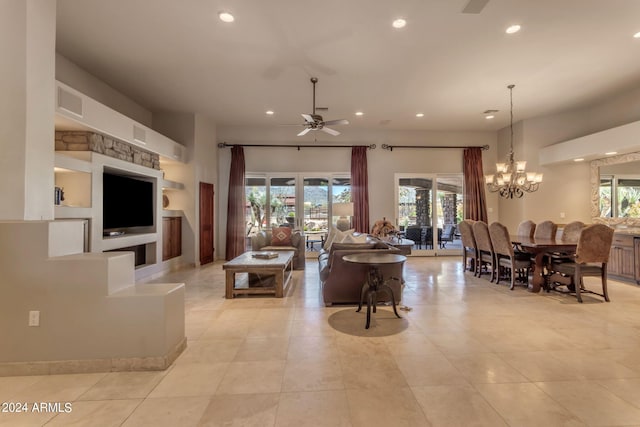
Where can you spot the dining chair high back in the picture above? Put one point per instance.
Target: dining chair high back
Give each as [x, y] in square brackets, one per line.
[505, 255]
[526, 228]
[571, 232]
[545, 230]
[486, 255]
[470, 252]
[591, 258]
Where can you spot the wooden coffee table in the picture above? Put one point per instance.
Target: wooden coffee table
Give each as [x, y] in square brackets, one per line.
[281, 267]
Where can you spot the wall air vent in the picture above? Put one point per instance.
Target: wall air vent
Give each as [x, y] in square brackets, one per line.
[177, 151]
[69, 102]
[139, 135]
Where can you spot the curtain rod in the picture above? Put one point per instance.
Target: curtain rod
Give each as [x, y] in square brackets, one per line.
[298, 146]
[391, 147]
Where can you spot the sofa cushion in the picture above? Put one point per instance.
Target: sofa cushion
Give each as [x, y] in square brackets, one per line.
[336, 236]
[281, 236]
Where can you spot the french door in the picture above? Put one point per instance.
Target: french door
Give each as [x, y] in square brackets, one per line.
[303, 201]
[428, 209]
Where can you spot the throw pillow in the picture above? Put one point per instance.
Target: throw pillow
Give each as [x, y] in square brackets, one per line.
[336, 236]
[352, 238]
[281, 236]
[330, 237]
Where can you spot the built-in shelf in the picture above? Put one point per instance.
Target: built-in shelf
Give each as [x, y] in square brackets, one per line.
[171, 185]
[61, 212]
[133, 239]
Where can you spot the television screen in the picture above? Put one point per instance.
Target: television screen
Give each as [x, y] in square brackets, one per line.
[126, 202]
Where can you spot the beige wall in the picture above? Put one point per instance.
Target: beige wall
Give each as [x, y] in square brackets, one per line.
[566, 187]
[382, 164]
[27, 42]
[70, 74]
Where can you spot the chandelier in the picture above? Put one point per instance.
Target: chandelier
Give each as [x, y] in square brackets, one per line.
[511, 180]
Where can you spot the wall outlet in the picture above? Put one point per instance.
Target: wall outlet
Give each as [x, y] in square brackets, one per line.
[561, 214]
[34, 318]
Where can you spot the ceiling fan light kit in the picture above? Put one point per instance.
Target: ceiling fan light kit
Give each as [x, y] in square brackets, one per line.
[316, 122]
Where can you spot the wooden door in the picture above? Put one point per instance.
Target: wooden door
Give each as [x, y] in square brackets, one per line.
[206, 223]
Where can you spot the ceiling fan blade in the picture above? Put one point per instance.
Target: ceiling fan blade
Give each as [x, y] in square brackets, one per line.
[330, 131]
[308, 118]
[337, 122]
[475, 6]
[304, 132]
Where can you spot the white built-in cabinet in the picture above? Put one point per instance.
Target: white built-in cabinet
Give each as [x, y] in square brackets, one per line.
[79, 175]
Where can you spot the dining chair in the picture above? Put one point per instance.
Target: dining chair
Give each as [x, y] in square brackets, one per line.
[570, 233]
[591, 258]
[470, 252]
[505, 255]
[545, 230]
[486, 255]
[526, 228]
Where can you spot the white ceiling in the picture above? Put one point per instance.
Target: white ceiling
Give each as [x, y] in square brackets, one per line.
[173, 55]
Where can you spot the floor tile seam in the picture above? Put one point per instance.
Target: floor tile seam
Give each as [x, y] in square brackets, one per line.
[557, 402]
[140, 402]
[475, 390]
[600, 382]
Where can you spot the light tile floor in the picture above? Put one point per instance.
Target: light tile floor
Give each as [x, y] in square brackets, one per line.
[469, 353]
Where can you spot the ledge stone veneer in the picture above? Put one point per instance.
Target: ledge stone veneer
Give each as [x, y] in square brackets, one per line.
[67, 140]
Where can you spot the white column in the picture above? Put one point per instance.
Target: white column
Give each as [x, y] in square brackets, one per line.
[27, 96]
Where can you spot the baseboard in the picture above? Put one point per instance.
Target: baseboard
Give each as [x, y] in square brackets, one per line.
[53, 367]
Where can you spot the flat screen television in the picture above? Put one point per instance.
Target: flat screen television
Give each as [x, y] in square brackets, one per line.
[126, 202]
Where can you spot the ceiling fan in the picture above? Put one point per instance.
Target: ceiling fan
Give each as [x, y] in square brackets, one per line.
[316, 122]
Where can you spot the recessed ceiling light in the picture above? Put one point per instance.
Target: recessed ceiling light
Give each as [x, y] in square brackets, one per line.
[399, 23]
[610, 153]
[513, 29]
[419, 114]
[578, 160]
[269, 113]
[226, 17]
[359, 113]
[637, 35]
[489, 117]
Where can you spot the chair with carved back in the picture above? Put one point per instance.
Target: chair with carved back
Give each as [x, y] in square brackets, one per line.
[591, 258]
[470, 252]
[505, 255]
[486, 255]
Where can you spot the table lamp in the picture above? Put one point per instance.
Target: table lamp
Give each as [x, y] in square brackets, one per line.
[343, 210]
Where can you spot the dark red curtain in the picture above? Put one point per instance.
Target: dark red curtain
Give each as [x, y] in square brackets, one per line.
[475, 203]
[235, 208]
[360, 189]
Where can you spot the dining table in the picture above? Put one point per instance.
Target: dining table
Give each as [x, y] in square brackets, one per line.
[538, 248]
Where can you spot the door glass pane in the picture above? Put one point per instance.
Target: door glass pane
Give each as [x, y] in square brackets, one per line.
[449, 211]
[316, 203]
[255, 207]
[283, 201]
[415, 210]
[341, 193]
